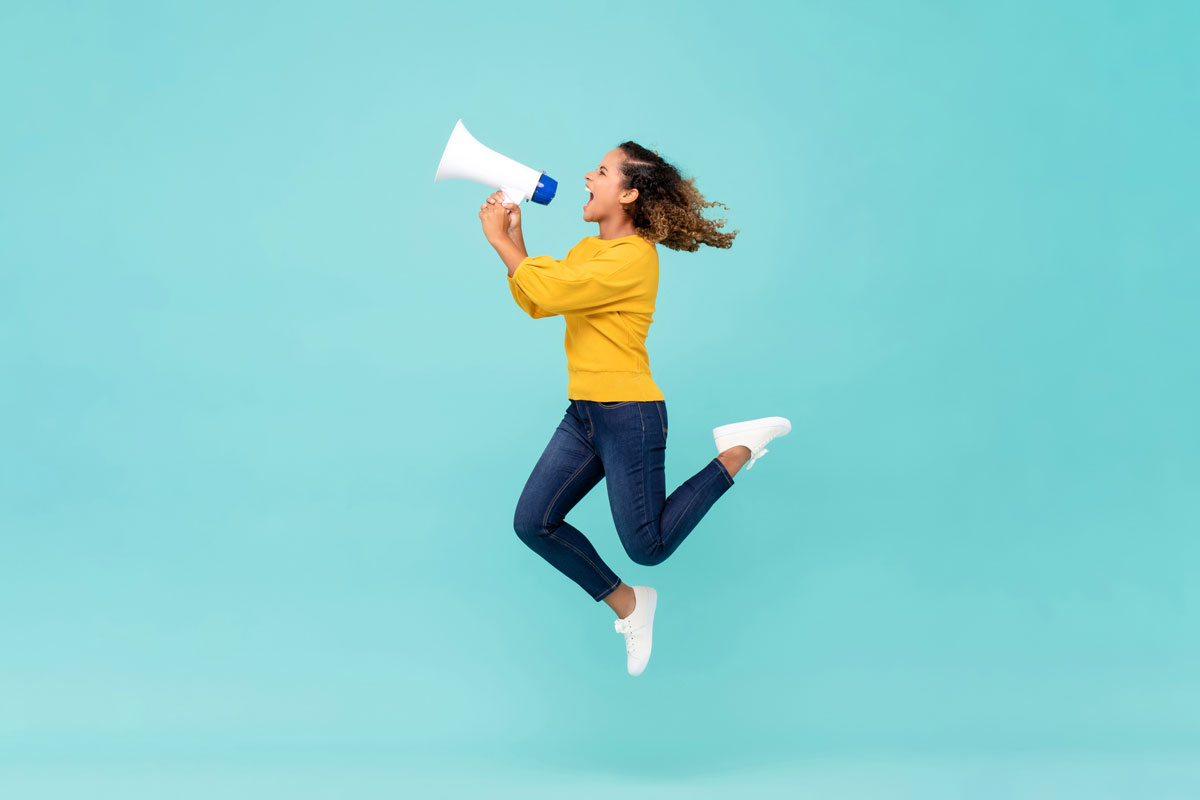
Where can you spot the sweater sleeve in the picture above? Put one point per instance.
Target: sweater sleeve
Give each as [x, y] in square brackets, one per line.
[527, 305]
[602, 283]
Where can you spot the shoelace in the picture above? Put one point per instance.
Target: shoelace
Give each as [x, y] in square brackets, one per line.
[755, 456]
[628, 631]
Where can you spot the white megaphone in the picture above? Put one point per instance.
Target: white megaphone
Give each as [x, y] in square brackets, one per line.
[464, 157]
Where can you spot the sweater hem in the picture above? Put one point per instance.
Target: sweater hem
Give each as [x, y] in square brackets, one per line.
[611, 386]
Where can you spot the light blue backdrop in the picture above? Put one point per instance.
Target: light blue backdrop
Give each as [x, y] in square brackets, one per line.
[268, 404]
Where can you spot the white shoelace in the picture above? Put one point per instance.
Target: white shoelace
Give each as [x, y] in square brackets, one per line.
[755, 456]
[628, 631]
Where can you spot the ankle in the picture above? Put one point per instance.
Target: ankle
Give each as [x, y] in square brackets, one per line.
[622, 600]
[734, 458]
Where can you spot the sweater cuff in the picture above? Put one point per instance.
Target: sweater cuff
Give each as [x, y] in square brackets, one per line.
[518, 268]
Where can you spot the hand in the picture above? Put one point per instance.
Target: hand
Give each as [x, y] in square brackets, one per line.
[496, 202]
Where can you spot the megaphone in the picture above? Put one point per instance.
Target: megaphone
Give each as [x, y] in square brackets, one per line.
[464, 157]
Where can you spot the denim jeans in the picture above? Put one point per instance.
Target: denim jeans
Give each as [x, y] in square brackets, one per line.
[625, 443]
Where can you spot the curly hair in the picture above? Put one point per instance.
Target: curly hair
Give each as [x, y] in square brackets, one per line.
[668, 206]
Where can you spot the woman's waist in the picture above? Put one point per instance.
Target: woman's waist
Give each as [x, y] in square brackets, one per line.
[612, 385]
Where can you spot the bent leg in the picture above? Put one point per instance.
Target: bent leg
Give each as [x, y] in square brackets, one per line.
[567, 470]
[688, 504]
[652, 526]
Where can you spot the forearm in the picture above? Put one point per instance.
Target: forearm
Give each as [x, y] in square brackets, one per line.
[510, 252]
[518, 237]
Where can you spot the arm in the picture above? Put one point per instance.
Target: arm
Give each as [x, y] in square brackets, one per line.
[523, 300]
[510, 252]
[608, 281]
[502, 226]
[518, 238]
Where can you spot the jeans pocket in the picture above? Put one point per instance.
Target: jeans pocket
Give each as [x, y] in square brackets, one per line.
[615, 405]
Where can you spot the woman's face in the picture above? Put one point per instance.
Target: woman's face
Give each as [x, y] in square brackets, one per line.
[604, 183]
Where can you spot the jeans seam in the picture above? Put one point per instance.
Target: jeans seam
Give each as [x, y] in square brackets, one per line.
[580, 553]
[724, 472]
[563, 488]
[550, 508]
[646, 475]
[683, 514]
[618, 405]
[607, 590]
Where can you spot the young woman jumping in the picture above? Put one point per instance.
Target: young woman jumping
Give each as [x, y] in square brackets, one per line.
[616, 424]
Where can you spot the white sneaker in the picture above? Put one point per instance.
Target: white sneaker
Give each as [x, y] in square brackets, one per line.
[753, 434]
[638, 627]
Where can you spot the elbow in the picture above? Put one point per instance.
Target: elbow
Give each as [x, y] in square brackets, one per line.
[536, 311]
[546, 309]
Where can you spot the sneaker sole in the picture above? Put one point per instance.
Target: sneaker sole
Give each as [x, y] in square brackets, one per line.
[738, 427]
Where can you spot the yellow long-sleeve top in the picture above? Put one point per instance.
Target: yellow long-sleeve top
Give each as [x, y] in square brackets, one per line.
[605, 290]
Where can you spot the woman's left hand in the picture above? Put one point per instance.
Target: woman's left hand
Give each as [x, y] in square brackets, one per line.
[494, 219]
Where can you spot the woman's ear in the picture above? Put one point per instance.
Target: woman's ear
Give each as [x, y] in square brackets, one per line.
[628, 196]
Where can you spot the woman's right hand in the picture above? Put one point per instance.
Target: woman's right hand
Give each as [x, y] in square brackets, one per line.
[514, 213]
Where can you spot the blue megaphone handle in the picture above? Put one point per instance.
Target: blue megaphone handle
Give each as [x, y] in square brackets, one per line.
[545, 190]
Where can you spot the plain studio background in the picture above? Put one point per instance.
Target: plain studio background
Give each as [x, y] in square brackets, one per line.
[268, 404]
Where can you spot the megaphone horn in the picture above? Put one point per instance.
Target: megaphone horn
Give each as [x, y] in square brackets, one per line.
[465, 158]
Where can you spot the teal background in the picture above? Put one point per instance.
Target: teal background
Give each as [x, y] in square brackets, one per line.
[268, 404]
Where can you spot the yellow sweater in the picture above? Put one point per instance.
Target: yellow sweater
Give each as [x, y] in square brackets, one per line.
[605, 290]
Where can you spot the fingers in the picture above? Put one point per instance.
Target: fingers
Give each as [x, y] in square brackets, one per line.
[499, 199]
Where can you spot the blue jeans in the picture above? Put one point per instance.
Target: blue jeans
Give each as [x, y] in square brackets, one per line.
[624, 442]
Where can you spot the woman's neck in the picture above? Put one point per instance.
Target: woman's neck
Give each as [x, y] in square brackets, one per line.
[616, 228]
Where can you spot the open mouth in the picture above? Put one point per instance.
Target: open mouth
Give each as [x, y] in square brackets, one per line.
[590, 198]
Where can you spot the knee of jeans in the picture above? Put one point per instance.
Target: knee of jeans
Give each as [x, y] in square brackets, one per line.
[528, 524]
[643, 558]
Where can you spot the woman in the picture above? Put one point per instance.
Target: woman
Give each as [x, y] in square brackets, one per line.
[616, 424]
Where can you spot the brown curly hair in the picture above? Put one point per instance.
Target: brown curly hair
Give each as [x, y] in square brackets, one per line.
[668, 206]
